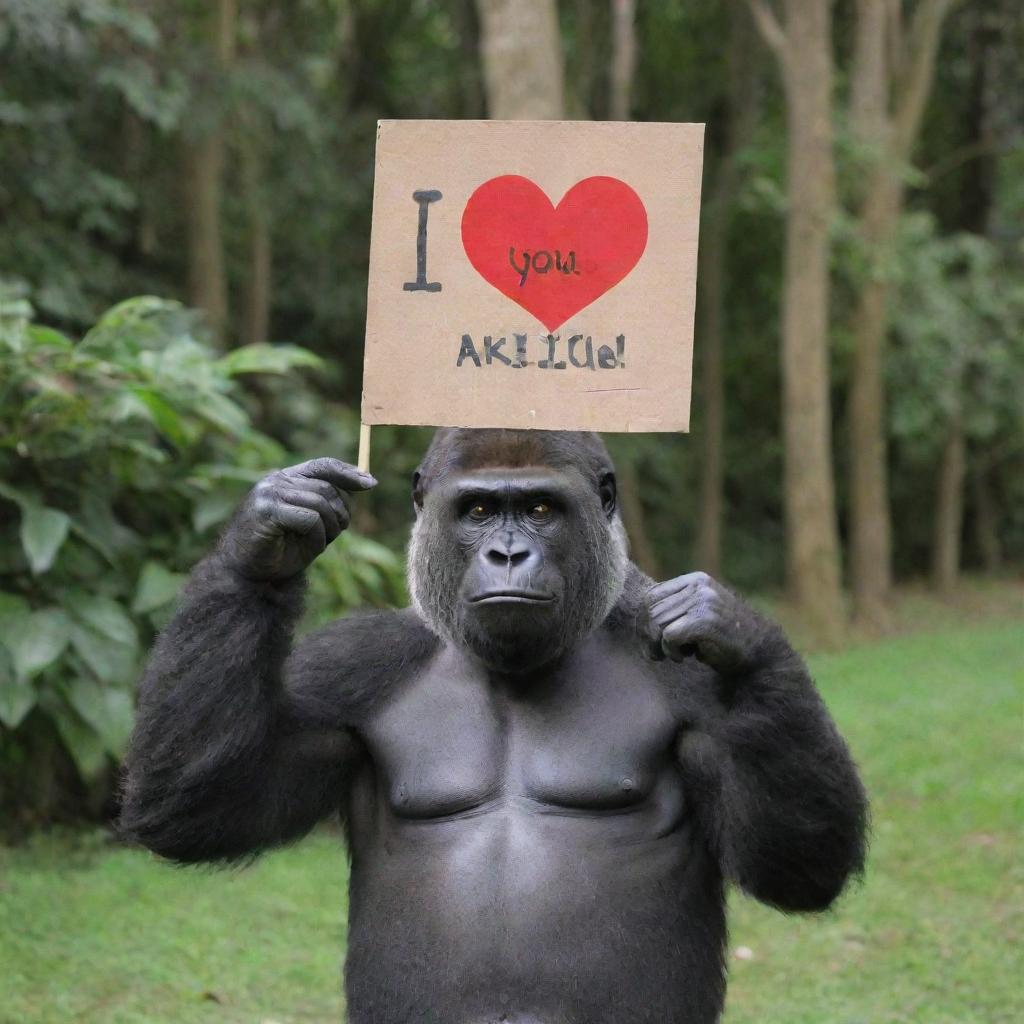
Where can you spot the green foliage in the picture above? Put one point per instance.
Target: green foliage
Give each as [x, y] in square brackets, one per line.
[71, 70]
[959, 349]
[120, 455]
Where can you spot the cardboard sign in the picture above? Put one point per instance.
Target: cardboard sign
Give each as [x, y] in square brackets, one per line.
[536, 274]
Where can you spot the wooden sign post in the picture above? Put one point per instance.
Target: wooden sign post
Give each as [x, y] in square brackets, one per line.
[533, 274]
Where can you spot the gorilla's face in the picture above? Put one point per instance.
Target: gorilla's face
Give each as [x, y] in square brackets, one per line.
[517, 564]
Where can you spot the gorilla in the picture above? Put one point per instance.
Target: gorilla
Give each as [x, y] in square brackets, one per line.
[548, 768]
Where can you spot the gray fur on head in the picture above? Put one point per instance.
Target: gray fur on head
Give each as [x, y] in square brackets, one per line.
[595, 573]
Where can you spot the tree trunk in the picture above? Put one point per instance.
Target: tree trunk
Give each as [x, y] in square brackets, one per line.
[204, 169]
[986, 522]
[870, 528]
[470, 85]
[623, 58]
[804, 48]
[258, 285]
[634, 520]
[207, 282]
[256, 314]
[712, 422]
[891, 81]
[580, 86]
[949, 510]
[977, 198]
[522, 56]
[743, 80]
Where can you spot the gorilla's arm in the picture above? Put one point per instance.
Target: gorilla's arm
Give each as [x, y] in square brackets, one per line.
[777, 793]
[236, 746]
[232, 751]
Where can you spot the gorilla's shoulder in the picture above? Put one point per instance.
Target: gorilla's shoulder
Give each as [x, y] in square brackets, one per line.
[357, 660]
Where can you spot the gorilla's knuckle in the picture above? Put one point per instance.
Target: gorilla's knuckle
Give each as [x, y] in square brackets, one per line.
[674, 630]
[263, 504]
[326, 464]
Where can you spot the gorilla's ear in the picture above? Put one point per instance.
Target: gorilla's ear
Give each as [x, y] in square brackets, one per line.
[609, 493]
[417, 492]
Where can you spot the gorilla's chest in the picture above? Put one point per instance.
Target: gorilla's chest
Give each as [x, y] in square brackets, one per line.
[596, 737]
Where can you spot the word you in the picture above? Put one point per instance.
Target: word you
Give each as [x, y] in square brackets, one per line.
[541, 262]
[578, 350]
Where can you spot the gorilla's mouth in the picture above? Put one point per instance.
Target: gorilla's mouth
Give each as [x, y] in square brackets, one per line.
[511, 597]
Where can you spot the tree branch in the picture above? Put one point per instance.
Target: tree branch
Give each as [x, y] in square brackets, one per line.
[770, 28]
[911, 93]
[894, 38]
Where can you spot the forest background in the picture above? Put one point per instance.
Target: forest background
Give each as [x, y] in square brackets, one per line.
[858, 413]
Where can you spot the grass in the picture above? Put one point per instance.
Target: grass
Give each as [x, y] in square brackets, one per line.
[933, 934]
[101, 935]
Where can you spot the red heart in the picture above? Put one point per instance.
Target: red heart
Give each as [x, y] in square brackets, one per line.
[600, 220]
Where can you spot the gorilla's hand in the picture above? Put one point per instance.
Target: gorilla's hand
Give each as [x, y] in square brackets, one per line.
[695, 614]
[289, 517]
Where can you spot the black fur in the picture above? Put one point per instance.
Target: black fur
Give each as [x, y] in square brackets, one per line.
[532, 844]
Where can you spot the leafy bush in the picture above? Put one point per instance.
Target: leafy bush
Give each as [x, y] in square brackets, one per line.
[120, 455]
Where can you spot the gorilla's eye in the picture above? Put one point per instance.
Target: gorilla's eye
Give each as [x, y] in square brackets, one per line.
[540, 511]
[479, 512]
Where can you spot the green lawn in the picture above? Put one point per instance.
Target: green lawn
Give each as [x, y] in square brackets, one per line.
[100, 935]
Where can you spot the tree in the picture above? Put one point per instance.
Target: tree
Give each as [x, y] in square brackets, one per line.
[739, 122]
[892, 74]
[956, 367]
[623, 57]
[802, 43]
[204, 150]
[522, 57]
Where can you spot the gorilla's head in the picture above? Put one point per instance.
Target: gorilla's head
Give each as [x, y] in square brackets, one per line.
[517, 551]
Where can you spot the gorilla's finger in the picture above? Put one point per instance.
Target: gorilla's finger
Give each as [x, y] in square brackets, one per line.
[676, 585]
[338, 499]
[679, 639]
[290, 517]
[309, 483]
[649, 634]
[318, 503]
[675, 605]
[334, 471]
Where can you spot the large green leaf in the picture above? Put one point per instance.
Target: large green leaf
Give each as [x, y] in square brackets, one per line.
[104, 616]
[107, 709]
[166, 418]
[43, 531]
[17, 696]
[132, 313]
[38, 641]
[47, 337]
[20, 498]
[264, 358]
[222, 412]
[157, 586]
[104, 636]
[94, 521]
[84, 743]
[113, 663]
[12, 610]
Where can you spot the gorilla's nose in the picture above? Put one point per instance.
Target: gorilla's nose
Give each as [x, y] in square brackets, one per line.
[514, 554]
